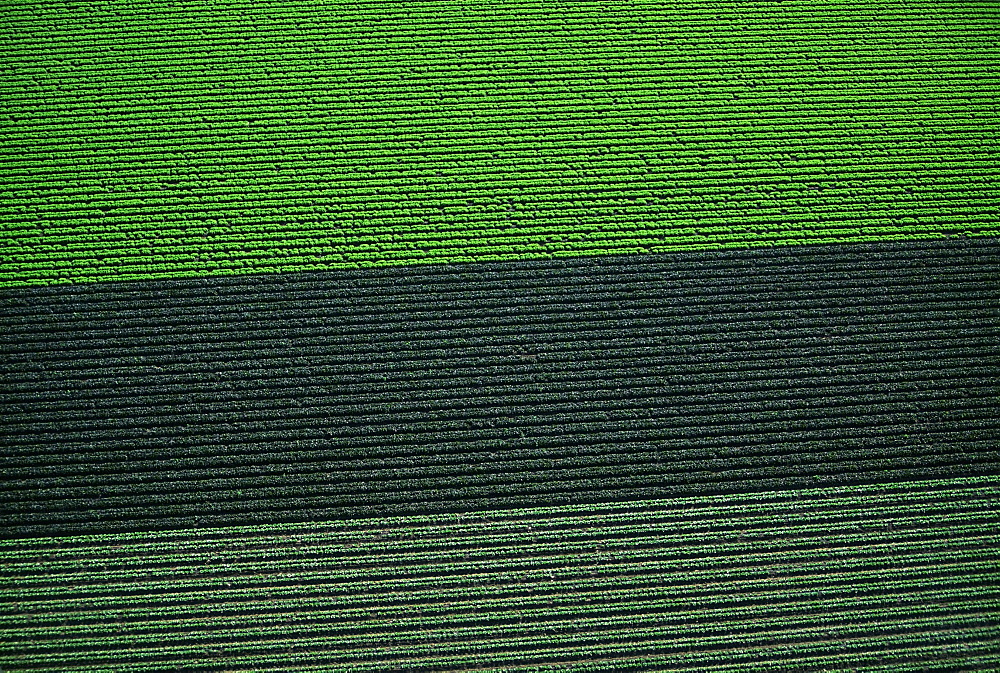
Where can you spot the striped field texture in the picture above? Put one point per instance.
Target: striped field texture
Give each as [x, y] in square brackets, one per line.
[292, 397]
[902, 577]
[153, 139]
[467, 335]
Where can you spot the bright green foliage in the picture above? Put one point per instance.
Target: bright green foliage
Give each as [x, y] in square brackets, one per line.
[152, 139]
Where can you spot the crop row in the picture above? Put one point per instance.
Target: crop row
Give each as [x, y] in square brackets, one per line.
[534, 203]
[358, 104]
[344, 548]
[124, 262]
[340, 564]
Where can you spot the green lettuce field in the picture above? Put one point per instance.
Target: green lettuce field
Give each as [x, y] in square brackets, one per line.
[152, 139]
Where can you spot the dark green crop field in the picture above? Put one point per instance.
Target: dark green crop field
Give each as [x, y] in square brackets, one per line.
[290, 397]
[478, 335]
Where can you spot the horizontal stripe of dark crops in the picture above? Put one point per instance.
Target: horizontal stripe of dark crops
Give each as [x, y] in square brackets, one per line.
[297, 397]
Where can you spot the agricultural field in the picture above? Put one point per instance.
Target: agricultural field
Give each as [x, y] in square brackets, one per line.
[296, 397]
[150, 139]
[859, 577]
[499, 335]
